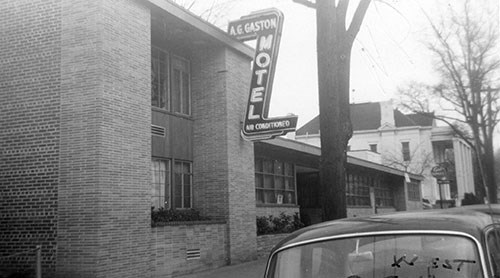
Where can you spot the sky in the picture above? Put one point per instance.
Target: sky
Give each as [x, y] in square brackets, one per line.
[388, 53]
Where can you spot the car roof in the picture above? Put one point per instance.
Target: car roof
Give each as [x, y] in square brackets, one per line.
[467, 219]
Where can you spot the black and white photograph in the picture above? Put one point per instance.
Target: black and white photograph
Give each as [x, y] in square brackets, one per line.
[249, 138]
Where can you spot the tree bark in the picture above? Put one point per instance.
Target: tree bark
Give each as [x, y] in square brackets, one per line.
[334, 44]
[489, 171]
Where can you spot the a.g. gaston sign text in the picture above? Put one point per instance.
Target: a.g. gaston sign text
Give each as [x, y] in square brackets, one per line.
[265, 27]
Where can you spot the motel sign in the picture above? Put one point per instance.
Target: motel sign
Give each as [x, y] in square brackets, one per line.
[265, 27]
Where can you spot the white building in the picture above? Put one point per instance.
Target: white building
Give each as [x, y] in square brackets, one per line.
[411, 142]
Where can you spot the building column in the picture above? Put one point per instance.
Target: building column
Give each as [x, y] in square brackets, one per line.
[104, 221]
[223, 162]
[460, 169]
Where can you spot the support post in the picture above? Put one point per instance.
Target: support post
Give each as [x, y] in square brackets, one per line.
[38, 261]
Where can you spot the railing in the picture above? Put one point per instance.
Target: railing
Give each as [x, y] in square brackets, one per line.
[38, 252]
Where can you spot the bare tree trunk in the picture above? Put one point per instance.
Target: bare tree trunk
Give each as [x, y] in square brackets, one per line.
[489, 171]
[336, 130]
[334, 44]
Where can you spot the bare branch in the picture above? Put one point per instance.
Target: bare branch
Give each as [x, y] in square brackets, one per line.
[357, 19]
[306, 3]
[341, 11]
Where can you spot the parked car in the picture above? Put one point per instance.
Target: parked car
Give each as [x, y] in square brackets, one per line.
[458, 242]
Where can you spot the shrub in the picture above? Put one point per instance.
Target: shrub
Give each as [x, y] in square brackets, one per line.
[278, 225]
[20, 273]
[471, 199]
[173, 215]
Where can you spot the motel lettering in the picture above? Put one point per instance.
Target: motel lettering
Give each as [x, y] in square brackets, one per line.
[266, 28]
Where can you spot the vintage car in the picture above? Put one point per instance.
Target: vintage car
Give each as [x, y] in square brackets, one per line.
[449, 243]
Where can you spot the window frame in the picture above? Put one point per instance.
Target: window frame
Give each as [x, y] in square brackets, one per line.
[273, 176]
[413, 191]
[174, 185]
[168, 76]
[181, 97]
[384, 195]
[167, 183]
[494, 266]
[405, 150]
[185, 94]
[357, 186]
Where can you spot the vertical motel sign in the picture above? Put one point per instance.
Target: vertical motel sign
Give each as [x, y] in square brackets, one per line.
[265, 27]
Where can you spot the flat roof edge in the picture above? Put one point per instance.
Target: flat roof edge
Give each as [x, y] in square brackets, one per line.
[306, 148]
[203, 26]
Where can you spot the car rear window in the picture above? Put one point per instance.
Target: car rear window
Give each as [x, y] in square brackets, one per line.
[439, 256]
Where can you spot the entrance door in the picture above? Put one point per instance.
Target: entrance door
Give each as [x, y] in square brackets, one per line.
[308, 196]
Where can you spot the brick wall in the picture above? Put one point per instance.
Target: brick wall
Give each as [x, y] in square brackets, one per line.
[76, 142]
[104, 214]
[29, 130]
[266, 242]
[242, 228]
[223, 162]
[170, 245]
[210, 180]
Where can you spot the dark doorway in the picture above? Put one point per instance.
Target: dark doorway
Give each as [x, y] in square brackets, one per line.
[308, 195]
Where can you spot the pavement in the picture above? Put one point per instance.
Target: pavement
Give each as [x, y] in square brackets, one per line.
[253, 269]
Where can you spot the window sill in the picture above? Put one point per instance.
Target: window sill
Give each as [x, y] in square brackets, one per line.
[187, 223]
[166, 112]
[278, 205]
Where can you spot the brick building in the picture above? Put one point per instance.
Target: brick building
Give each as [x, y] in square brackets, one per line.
[111, 107]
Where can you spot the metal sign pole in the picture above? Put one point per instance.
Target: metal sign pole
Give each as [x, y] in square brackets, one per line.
[440, 194]
[38, 261]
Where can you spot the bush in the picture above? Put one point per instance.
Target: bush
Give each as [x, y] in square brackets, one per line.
[471, 199]
[22, 273]
[173, 215]
[278, 225]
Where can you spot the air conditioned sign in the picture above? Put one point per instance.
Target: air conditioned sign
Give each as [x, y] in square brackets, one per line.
[265, 27]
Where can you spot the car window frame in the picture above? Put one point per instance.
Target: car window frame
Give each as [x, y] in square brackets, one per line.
[486, 231]
[480, 248]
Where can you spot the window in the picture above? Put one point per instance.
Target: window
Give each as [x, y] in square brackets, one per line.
[160, 183]
[182, 184]
[163, 193]
[274, 182]
[159, 79]
[384, 196]
[398, 255]
[373, 147]
[493, 241]
[405, 147]
[413, 191]
[358, 191]
[180, 86]
[170, 82]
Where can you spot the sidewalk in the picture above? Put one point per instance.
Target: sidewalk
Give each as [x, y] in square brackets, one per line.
[253, 269]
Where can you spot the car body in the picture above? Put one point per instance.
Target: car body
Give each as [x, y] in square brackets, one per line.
[457, 242]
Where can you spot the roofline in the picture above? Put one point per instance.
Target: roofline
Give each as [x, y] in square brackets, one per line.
[209, 29]
[294, 145]
[376, 166]
[310, 149]
[378, 130]
[307, 135]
